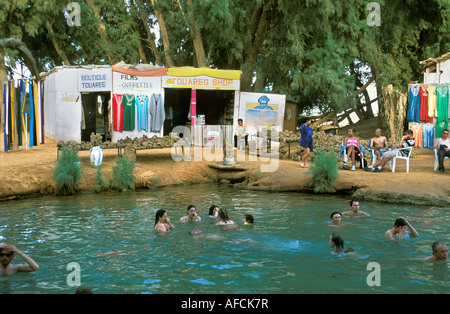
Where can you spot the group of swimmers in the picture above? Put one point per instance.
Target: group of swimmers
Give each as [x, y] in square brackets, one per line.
[163, 224]
[398, 232]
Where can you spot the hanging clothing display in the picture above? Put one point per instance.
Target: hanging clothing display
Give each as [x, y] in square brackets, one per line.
[432, 110]
[423, 93]
[157, 113]
[442, 103]
[418, 135]
[414, 104]
[142, 112]
[129, 111]
[117, 112]
[24, 112]
[428, 135]
[441, 126]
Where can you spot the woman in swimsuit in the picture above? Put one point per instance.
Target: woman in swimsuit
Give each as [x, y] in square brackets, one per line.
[352, 144]
[224, 220]
[337, 242]
[162, 221]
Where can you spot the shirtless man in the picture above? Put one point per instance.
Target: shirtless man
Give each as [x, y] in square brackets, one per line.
[354, 209]
[7, 253]
[399, 231]
[379, 143]
[440, 252]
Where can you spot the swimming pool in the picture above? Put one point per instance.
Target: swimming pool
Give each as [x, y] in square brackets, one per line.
[111, 237]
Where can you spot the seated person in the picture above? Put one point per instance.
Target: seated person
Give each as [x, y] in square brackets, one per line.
[442, 144]
[378, 144]
[192, 215]
[407, 141]
[352, 145]
[400, 232]
[241, 132]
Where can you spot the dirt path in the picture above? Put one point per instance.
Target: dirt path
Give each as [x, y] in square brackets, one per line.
[29, 173]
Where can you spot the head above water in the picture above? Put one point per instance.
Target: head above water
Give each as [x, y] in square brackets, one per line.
[354, 205]
[223, 214]
[336, 241]
[399, 222]
[249, 219]
[440, 250]
[159, 214]
[213, 209]
[336, 217]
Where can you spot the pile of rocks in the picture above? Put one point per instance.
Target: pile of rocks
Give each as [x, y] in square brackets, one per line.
[143, 142]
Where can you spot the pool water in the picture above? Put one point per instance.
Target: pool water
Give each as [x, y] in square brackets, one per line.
[111, 238]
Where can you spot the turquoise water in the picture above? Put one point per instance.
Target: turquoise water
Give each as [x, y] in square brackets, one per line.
[112, 239]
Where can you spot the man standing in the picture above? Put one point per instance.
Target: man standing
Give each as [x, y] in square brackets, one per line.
[7, 253]
[240, 132]
[379, 144]
[442, 144]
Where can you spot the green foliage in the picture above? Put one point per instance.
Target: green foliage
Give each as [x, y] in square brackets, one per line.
[324, 172]
[67, 171]
[123, 177]
[101, 184]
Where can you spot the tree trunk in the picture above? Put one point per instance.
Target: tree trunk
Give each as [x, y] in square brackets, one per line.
[55, 44]
[102, 32]
[150, 36]
[164, 35]
[258, 28]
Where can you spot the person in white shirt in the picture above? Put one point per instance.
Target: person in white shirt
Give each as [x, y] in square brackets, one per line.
[442, 144]
[240, 132]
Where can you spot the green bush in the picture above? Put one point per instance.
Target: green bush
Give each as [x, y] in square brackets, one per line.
[324, 172]
[123, 177]
[67, 171]
[101, 184]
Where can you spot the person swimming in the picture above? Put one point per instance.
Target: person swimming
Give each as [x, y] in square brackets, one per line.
[162, 221]
[248, 220]
[337, 242]
[224, 220]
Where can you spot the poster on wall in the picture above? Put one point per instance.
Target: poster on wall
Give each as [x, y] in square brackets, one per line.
[260, 109]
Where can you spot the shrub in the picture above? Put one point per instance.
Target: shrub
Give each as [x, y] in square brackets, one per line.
[324, 172]
[101, 184]
[123, 177]
[67, 171]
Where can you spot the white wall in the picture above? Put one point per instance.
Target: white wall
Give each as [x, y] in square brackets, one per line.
[438, 77]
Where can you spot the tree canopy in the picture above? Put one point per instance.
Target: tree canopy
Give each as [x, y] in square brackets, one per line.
[321, 53]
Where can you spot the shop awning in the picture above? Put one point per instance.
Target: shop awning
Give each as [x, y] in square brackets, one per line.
[190, 72]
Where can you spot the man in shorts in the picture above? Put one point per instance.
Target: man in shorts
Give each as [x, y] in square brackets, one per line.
[407, 141]
[379, 144]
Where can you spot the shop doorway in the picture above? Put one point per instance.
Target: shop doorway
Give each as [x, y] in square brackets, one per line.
[216, 105]
[96, 115]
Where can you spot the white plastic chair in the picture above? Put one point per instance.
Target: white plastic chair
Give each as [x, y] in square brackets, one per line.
[436, 161]
[358, 155]
[400, 156]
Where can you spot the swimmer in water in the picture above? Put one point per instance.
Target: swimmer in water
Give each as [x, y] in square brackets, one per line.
[213, 211]
[248, 220]
[400, 231]
[7, 253]
[211, 236]
[440, 252]
[224, 220]
[191, 215]
[337, 242]
[162, 221]
[336, 218]
[354, 210]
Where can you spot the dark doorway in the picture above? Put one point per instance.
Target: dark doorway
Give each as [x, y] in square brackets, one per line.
[96, 115]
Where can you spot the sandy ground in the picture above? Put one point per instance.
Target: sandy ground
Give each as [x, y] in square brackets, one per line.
[27, 173]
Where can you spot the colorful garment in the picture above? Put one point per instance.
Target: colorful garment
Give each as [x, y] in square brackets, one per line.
[418, 134]
[142, 112]
[432, 110]
[414, 105]
[441, 126]
[428, 135]
[157, 113]
[117, 112]
[306, 137]
[129, 112]
[423, 93]
[442, 103]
